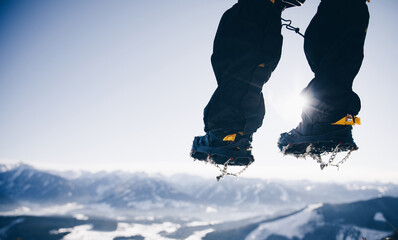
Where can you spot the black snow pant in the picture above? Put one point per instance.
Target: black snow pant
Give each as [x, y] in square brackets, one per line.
[246, 50]
[333, 46]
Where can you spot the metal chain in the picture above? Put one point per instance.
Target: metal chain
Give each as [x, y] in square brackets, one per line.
[242, 170]
[224, 170]
[332, 157]
[308, 152]
[343, 160]
[318, 157]
[285, 148]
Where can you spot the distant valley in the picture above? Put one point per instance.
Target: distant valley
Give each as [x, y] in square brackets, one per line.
[121, 205]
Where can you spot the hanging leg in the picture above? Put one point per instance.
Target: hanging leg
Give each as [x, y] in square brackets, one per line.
[333, 45]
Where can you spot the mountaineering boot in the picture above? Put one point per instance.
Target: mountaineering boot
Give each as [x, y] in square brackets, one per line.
[291, 3]
[319, 138]
[221, 147]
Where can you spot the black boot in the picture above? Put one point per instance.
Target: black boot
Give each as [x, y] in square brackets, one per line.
[319, 138]
[221, 146]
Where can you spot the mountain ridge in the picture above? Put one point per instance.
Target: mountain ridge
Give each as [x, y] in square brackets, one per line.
[132, 190]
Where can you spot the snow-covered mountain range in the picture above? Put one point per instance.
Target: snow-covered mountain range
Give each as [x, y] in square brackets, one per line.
[23, 183]
[371, 219]
[120, 205]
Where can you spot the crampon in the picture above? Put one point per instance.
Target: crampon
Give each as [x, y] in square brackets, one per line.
[234, 154]
[323, 143]
[316, 150]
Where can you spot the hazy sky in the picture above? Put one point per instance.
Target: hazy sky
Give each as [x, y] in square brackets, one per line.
[106, 85]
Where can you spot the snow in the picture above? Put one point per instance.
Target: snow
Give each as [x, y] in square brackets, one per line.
[19, 211]
[147, 218]
[79, 216]
[284, 195]
[314, 206]
[149, 232]
[380, 217]
[211, 210]
[292, 226]
[157, 203]
[216, 191]
[297, 226]
[363, 232]
[179, 204]
[121, 218]
[16, 174]
[380, 189]
[4, 167]
[102, 189]
[372, 234]
[65, 230]
[238, 198]
[200, 223]
[258, 189]
[44, 211]
[145, 205]
[198, 235]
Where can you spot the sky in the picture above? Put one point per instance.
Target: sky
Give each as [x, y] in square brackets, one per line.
[121, 85]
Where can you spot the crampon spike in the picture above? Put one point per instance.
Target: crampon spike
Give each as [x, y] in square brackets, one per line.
[217, 161]
[323, 165]
[317, 150]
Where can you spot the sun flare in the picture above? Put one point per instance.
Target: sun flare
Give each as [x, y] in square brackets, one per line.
[290, 106]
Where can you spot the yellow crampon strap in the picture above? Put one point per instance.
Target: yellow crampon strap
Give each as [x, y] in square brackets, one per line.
[348, 120]
[273, 1]
[231, 137]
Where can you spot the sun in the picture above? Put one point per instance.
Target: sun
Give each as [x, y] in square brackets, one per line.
[289, 106]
